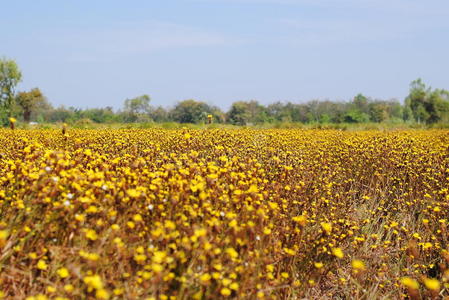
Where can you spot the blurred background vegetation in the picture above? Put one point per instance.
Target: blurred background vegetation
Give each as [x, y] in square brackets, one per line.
[423, 107]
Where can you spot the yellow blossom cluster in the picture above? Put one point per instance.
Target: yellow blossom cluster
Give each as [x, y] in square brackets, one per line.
[223, 213]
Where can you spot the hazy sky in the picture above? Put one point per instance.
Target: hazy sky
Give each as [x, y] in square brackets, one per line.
[92, 53]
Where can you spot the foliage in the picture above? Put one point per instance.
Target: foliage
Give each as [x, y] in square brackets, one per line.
[32, 102]
[422, 105]
[191, 111]
[243, 113]
[427, 105]
[10, 76]
[137, 107]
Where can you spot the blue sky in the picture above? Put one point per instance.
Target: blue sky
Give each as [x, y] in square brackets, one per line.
[99, 52]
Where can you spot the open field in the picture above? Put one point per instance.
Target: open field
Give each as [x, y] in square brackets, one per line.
[277, 125]
[224, 213]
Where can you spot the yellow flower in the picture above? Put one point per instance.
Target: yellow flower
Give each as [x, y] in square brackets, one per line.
[327, 227]
[253, 189]
[159, 256]
[80, 218]
[225, 291]
[69, 288]
[357, 264]
[4, 234]
[337, 252]
[118, 291]
[3, 237]
[290, 251]
[130, 224]
[197, 296]
[233, 223]
[205, 277]
[432, 284]
[91, 234]
[226, 281]
[42, 265]
[133, 193]
[157, 268]
[140, 258]
[232, 253]
[301, 220]
[102, 294]
[63, 272]
[137, 218]
[410, 283]
[91, 209]
[94, 281]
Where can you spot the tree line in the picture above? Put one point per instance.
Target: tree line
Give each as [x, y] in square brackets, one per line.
[422, 105]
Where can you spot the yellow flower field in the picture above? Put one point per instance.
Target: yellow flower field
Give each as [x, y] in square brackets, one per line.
[209, 214]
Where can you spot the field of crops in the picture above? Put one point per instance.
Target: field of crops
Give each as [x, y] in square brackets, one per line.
[208, 214]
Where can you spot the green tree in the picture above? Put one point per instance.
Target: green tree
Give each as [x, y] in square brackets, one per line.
[361, 103]
[10, 76]
[30, 102]
[61, 114]
[136, 108]
[438, 106]
[192, 111]
[395, 110]
[407, 111]
[237, 114]
[355, 116]
[427, 105]
[244, 112]
[358, 110]
[159, 114]
[378, 111]
[417, 99]
[99, 115]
